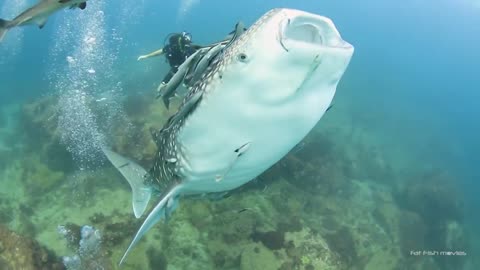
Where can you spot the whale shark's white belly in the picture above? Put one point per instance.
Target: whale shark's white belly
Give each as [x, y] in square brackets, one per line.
[232, 115]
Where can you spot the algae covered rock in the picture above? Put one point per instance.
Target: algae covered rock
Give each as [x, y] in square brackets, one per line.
[39, 178]
[39, 125]
[39, 118]
[186, 249]
[434, 195]
[308, 250]
[257, 257]
[18, 252]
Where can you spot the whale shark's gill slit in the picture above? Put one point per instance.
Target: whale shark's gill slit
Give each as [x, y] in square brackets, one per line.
[124, 165]
[281, 31]
[242, 149]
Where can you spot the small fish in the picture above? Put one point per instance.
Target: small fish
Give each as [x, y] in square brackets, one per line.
[39, 13]
[204, 62]
[239, 30]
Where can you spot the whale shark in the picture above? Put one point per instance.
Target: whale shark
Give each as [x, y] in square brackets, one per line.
[255, 101]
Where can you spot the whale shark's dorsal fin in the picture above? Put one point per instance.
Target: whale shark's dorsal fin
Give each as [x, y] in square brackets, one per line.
[135, 175]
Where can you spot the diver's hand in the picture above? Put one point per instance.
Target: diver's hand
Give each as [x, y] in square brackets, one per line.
[141, 57]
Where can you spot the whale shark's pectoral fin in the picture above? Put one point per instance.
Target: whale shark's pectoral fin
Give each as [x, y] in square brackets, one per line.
[164, 208]
[135, 176]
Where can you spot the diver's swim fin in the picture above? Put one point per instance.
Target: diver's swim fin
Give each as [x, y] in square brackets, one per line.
[134, 174]
[3, 28]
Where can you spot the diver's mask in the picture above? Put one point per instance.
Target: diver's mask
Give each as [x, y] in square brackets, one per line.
[187, 36]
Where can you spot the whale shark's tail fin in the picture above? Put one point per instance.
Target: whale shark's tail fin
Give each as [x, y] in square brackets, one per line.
[3, 28]
[135, 175]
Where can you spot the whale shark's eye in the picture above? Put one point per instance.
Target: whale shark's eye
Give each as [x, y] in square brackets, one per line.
[242, 57]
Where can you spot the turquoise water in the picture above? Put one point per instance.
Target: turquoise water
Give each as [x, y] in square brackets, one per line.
[390, 170]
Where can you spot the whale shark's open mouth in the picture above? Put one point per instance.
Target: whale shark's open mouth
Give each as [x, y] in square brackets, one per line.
[312, 31]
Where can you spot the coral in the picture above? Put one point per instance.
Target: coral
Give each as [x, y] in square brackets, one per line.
[89, 254]
[71, 233]
[19, 252]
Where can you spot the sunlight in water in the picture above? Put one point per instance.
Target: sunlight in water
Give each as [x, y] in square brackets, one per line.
[185, 7]
[85, 82]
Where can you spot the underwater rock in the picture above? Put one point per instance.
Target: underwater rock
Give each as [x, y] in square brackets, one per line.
[136, 105]
[385, 259]
[386, 216]
[156, 259]
[273, 240]
[434, 195]
[71, 233]
[456, 240]
[19, 252]
[341, 242]
[198, 211]
[307, 249]
[256, 256]
[38, 178]
[39, 119]
[185, 248]
[116, 233]
[412, 232]
[39, 125]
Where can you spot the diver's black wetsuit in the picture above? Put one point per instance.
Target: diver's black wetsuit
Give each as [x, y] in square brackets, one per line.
[178, 49]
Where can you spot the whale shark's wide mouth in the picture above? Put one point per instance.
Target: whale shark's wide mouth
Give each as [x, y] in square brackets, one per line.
[309, 29]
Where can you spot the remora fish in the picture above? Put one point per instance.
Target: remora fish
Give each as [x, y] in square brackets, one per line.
[39, 13]
[167, 90]
[257, 100]
[215, 51]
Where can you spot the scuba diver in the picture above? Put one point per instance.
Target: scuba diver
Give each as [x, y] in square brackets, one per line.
[178, 49]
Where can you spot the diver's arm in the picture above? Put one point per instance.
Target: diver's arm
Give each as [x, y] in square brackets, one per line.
[155, 53]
